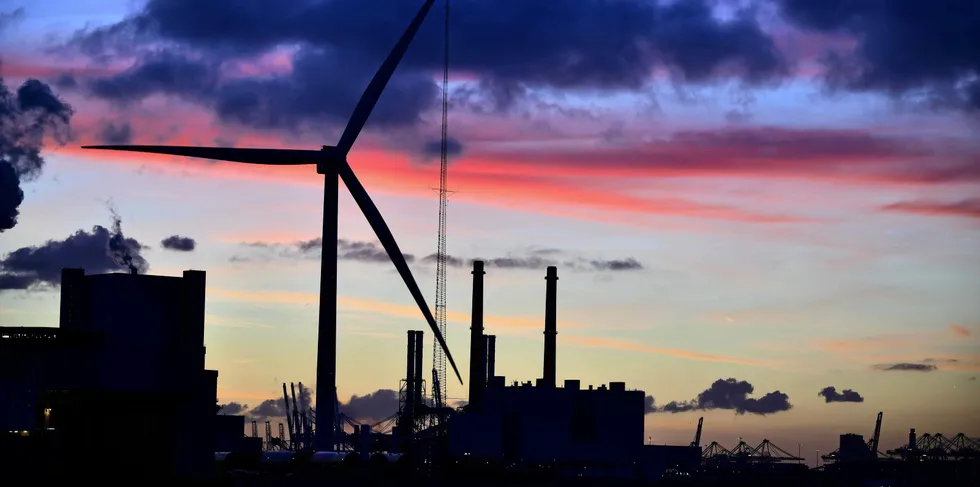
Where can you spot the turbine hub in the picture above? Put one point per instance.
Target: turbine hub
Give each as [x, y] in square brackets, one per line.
[328, 163]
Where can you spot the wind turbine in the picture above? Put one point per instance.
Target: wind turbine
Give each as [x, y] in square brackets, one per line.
[331, 161]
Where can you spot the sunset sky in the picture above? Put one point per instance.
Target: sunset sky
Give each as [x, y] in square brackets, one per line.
[783, 192]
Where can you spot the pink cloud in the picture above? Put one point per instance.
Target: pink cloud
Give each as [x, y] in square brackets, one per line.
[960, 331]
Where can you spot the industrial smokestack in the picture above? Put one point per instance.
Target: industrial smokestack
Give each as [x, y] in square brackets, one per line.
[477, 351]
[491, 356]
[418, 369]
[550, 326]
[410, 381]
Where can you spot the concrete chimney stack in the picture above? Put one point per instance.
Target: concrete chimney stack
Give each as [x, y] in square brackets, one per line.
[478, 353]
[550, 326]
[491, 357]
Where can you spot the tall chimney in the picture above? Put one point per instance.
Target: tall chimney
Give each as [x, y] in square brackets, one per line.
[550, 326]
[477, 351]
[409, 411]
[418, 369]
[491, 356]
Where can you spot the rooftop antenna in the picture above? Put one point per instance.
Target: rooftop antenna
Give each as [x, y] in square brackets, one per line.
[331, 161]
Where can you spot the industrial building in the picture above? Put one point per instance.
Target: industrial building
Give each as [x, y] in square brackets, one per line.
[541, 422]
[121, 381]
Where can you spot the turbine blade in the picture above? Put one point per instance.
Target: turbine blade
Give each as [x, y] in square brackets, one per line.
[277, 157]
[388, 242]
[373, 92]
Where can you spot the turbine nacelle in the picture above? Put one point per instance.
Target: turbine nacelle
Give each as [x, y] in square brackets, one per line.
[330, 162]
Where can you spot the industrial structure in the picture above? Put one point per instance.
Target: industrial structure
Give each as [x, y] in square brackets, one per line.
[129, 352]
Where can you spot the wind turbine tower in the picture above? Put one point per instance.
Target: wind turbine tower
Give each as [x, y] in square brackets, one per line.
[332, 163]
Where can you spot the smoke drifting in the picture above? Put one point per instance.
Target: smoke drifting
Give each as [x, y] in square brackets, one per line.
[372, 252]
[179, 243]
[353, 250]
[97, 251]
[26, 117]
[534, 261]
[375, 406]
[232, 409]
[830, 394]
[276, 408]
[729, 394]
[649, 405]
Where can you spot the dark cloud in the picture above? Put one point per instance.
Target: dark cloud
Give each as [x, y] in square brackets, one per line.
[375, 406]
[115, 132]
[905, 367]
[432, 149]
[9, 18]
[907, 48]
[853, 154]
[97, 252]
[159, 72]
[179, 243]
[830, 394]
[509, 46]
[66, 81]
[26, 117]
[969, 208]
[731, 394]
[232, 409]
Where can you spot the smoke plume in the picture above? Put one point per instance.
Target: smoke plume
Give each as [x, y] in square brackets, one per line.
[372, 252]
[276, 407]
[124, 251]
[232, 409]
[25, 118]
[375, 406]
[40, 266]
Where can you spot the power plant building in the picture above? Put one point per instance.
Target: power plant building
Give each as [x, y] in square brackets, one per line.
[541, 422]
[121, 380]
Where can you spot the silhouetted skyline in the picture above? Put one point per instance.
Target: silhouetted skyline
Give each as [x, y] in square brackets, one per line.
[724, 199]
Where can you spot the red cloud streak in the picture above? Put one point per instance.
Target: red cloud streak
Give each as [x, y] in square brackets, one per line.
[969, 208]
[589, 177]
